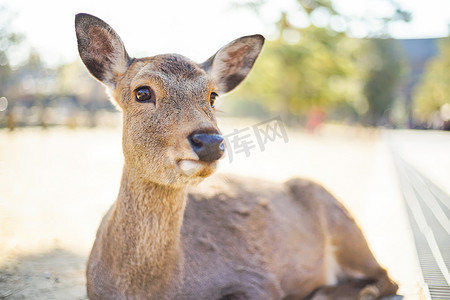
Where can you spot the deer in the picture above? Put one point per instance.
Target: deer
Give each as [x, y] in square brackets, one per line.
[167, 236]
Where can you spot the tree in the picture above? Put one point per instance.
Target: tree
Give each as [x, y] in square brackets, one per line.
[8, 40]
[432, 95]
[303, 68]
[383, 78]
[315, 72]
[320, 67]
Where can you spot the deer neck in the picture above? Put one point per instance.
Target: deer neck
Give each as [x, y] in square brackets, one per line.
[147, 218]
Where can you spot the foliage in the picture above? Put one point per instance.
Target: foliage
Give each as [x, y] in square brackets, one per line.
[318, 71]
[320, 68]
[432, 95]
[8, 41]
[384, 75]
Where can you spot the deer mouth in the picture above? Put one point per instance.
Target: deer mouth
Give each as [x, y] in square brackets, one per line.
[196, 168]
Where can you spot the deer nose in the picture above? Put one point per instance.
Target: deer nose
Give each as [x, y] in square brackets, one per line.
[208, 147]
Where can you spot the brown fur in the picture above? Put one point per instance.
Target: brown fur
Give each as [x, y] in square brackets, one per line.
[234, 238]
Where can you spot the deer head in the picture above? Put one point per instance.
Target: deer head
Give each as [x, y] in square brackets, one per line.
[170, 133]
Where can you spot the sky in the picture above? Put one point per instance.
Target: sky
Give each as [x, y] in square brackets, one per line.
[195, 28]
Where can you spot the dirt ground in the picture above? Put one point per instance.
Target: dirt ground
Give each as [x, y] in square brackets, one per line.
[55, 185]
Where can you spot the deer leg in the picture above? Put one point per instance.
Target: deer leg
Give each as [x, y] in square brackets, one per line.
[355, 290]
[343, 291]
[351, 270]
[355, 259]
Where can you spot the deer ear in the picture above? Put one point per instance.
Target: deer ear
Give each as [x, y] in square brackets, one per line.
[101, 49]
[231, 64]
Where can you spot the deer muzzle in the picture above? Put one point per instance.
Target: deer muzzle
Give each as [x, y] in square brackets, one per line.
[208, 147]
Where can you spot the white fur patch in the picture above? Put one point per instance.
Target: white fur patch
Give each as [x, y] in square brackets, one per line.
[332, 268]
[190, 167]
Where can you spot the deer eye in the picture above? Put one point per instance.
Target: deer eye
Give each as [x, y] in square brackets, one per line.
[144, 94]
[212, 99]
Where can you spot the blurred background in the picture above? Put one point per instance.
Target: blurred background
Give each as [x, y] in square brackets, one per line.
[361, 88]
[374, 62]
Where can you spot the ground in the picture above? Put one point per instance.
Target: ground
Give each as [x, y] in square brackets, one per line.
[56, 184]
